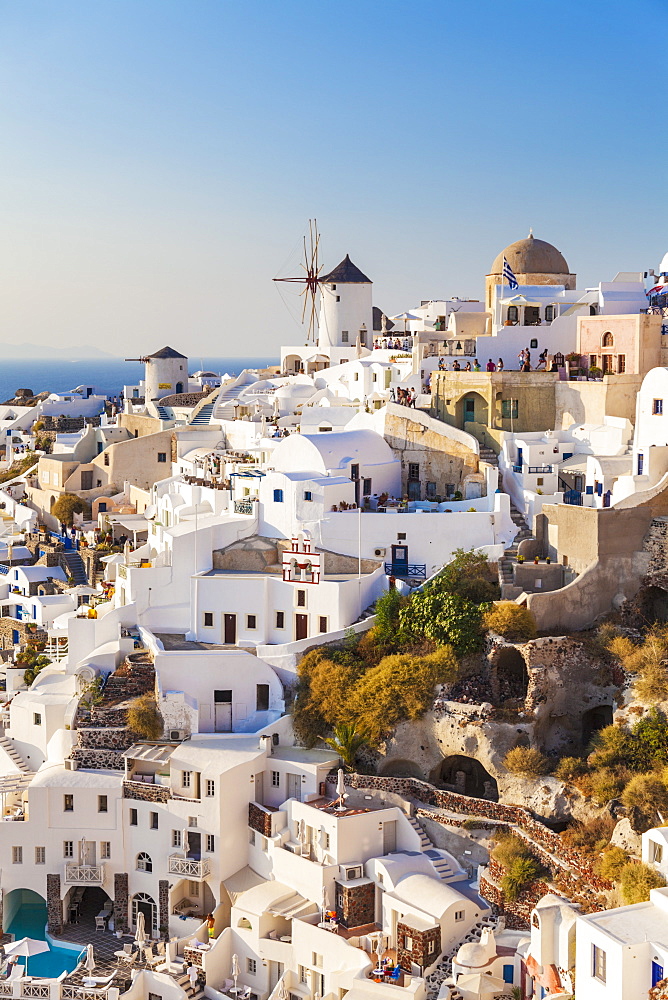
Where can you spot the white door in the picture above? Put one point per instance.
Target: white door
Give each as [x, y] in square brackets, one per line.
[294, 786]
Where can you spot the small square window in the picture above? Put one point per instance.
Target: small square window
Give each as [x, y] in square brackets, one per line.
[210, 788]
[40, 855]
[308, 495]
[344, 333]
[366, 487]
[251, 621]
[408, 943]
[322, 623]
[162, 456]
[208, 619]
[154, 821]
[275, 779]
[459, 914]
[401, 536]
[105, 849]
[533, 344]
[657, 407]
[68, 803]
[539, 481]
[37, 719]
[278, 496]
[68, 848]
[280, 619]
[251, 966]
[316, 960]
[133, 817]
[102, 805]
[176, 838]
[186, 777]
[413, 470]
[17, 855]
[301, 598]
[210, 843]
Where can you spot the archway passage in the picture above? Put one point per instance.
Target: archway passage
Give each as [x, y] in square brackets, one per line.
[467, 776]
[143, 903]
[595, 719]
[512, 675]
[399, 768]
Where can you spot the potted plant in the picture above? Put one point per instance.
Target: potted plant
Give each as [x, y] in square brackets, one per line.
[520, 559]
[535, 560]
[548, 560]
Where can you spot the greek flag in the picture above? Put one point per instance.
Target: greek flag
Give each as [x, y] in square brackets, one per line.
[509, 276]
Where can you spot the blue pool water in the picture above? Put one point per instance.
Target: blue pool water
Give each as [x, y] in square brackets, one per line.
[30, 921]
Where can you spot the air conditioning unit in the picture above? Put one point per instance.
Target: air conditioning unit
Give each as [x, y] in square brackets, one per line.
[71, 765]
[349, 872]
[379, 552]
[177, 734]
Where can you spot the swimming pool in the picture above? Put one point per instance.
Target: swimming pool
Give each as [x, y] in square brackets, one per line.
[29, 920]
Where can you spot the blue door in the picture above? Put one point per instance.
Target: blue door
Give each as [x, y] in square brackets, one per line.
[519, 456]
[400, 560]
[641, 461]
[508, 976]
[657, 973]
[15, 636]
[469, 410]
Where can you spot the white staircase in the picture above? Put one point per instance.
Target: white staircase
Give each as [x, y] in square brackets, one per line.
[223, 408]
[443, 864]
[9, 749]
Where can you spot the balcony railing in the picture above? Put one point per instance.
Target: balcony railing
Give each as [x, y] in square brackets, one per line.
[540, 469]
[189, 867]
[244, 507]
[517, 468]
[84, 874]
[412, 571]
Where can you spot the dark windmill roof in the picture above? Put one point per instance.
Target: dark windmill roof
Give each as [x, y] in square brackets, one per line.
[167, 352]
[347, 273]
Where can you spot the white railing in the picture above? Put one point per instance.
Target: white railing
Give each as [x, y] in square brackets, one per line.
[189, 867]
[90, 874]
[35, 990]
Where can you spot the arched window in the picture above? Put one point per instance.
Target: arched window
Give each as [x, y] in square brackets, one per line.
[144, 863]
[245, 923]
[608, 340]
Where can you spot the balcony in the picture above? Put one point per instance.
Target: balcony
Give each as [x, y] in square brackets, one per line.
[541, 470]
[189, 867]
[517, 468]
[84, 874]
[406, 571]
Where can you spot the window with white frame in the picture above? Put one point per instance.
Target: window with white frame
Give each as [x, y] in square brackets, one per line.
[144, 862]
[598, 963]
[68, 848]
[17, 855]
[210, 843]
[105, 849]
[275, 779]
[176, 838]
[186, 777]
[655, 852]
[251, 966]
[210, 787]
[40, 855]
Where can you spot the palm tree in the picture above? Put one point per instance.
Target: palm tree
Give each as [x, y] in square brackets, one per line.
[347, 740]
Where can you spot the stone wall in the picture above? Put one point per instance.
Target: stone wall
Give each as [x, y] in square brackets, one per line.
[98, 759]
[25, 633]
[163, 907]
[121, 897]
[259, 819]
[54, 904]
[420, 952]
[356, 904]
[141, 792]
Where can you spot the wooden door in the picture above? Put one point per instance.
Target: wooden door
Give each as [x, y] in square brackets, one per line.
[230, 630]
[301, 626]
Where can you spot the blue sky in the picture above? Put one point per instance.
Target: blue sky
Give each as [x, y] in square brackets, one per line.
[159, 159]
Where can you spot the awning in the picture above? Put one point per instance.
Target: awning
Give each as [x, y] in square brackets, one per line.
[241, 881]
[293, 906]
[576, 463]
[520, 300]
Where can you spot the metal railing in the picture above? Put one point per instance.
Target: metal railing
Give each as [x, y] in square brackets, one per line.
[540, 468]
[89, 874]
[189, 867]
[244, 507]
[517, 468]
[412, 571]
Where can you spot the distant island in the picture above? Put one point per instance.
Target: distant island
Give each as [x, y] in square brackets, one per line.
[81, 352]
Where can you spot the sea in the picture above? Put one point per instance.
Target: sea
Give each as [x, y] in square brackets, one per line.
[108, 376]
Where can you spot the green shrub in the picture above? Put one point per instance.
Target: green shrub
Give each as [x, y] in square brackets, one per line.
[444, 618]
[144, 718]
[67, 505]
[606, 785]
[636, 879]
[508, 849]
[610, 866]
[521, 873]
[513, 621]
[526, 760]
[644, 796]
[591, 837]
[569, 768]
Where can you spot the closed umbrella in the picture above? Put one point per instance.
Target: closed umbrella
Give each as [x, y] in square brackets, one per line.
[235, 971]
[140, 933]
[282, 991]
[340, 788]
[26, 947]
[184, 841]
[89, 964]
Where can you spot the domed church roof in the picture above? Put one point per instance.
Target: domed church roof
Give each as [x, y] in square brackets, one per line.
[531, 256]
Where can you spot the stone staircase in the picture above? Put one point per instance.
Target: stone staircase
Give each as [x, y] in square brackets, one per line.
[488, 455]
[192, 992]
[135, 676]
[163, 413]
[510, 555]
[74, 567]
[443, 970]
[9, 749]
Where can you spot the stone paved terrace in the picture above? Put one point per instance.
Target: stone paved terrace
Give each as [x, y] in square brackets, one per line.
[177, 641]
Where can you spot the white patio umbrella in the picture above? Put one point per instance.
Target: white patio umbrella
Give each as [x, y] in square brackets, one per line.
[235, 971]
[26, 946]
[140, 933]
[325, 902]
[340, 789]
[89, 964]
[282, 991]
[478, 986]
[184, 841]
[405, 316]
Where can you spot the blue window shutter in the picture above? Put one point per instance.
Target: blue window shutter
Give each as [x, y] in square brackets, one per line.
[278, 496]
[589, 490]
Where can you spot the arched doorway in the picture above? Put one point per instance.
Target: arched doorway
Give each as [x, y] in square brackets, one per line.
[512, 675]
[593, 720]
[178, 388]
[400, 768]
[465, 775]
[142, 903]
[24, 913]
[471, 408]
